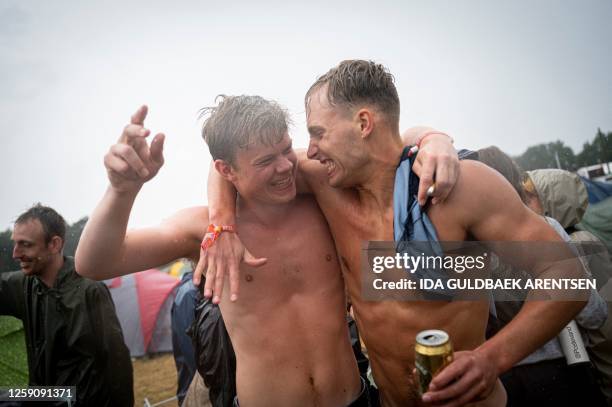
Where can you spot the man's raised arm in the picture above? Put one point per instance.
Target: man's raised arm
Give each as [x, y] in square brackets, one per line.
[130, 163]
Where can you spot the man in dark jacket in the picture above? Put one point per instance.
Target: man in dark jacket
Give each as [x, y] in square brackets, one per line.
[73, 337]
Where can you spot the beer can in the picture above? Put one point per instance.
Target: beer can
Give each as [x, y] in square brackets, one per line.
[433, 351]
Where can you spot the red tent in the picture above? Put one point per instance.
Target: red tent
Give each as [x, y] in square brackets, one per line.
[143, 301]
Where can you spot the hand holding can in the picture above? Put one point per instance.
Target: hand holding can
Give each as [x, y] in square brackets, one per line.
[433, 351]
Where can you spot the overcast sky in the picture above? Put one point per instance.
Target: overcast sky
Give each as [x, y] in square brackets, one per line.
[513, 74]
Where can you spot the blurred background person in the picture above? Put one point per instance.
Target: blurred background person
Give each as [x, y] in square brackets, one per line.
[545, 376]
[562, 195]
[73, 337]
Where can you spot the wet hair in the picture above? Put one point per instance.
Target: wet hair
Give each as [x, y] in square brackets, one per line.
[356, 82]
[506, 166]
[242, 121]
[52, 222]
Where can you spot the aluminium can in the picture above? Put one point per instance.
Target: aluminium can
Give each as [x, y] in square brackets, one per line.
[433, 351]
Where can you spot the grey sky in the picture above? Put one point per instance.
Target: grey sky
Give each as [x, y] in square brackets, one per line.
[512, 74]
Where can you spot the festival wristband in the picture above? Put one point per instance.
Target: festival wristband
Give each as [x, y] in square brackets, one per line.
[213, 232]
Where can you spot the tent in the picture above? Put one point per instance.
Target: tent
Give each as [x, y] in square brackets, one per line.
[598, 221]
[598, 190]
[143, 301]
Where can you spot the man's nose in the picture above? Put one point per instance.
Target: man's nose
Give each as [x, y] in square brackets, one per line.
[284, 165]
[16, 252]
[313, 149]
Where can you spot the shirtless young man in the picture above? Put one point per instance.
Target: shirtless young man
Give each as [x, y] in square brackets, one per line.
[355, 146]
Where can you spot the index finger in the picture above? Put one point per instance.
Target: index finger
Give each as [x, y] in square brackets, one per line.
[199, 270]
[443, 184]
[134, 135]
[426, 180]
[234, 280]
[219, 282]
[133, 132]
[140, 115]
[209, 282]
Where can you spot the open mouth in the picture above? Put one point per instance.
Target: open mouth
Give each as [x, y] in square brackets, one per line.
[330, 166]
[25, 262]
[282, 184]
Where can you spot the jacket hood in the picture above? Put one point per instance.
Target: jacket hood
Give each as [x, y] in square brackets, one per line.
[562, 194]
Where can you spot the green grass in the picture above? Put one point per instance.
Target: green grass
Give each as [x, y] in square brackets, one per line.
[13, 356]
[9, 325]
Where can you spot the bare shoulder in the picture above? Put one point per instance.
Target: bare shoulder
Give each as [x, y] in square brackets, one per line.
[480, 196]
[487, 207]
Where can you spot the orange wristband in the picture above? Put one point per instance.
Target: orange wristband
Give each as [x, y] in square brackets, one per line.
[213, 232]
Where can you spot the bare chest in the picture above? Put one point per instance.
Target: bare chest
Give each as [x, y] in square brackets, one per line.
[353, 229]
[301, 259]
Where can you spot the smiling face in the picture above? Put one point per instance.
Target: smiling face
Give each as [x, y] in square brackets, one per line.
[266, 173]
[31, 249]
[335, 140]
[249, 141]
[345, 108]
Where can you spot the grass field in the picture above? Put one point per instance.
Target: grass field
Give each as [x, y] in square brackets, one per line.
[13, 357]
[154, 376]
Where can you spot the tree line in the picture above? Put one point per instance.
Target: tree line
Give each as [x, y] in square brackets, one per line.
[558, 155]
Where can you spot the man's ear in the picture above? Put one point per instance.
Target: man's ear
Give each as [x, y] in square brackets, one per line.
[225, 169]
[56, 244]
[365, 119]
